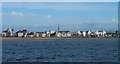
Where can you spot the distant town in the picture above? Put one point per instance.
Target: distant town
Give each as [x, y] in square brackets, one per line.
[59, 33]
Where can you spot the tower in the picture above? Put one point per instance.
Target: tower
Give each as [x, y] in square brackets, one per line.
[58, 28]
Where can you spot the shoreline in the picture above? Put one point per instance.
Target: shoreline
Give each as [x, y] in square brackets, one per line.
[52, 38]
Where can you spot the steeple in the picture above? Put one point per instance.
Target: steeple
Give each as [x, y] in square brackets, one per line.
[58, 28]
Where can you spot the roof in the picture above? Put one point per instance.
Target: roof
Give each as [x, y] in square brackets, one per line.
[19, 31]
[31, 33]
[63, 31]
[100, 31]
[81, 31]
[87, 31]
[39, 32]
[5, 31]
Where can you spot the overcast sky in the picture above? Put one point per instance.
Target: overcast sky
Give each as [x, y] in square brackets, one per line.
[71, 16]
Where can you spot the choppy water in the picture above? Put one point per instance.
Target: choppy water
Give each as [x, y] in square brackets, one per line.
[83, 50]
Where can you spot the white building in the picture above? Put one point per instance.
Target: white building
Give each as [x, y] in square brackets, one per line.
[79, 33]
[88, 33]
[48, 34]
[52, 31]
[63, 34]
[84, 33]
[37, 35]
[4, 34]
[20, 34]
[58, 34]
[68, 34]
[44, 35]
[31, 34]
[100, 33]
[10, 32]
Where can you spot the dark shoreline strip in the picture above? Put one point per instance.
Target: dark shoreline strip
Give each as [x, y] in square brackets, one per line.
[51, 38]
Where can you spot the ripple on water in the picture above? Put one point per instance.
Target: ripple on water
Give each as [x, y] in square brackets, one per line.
[60, 50]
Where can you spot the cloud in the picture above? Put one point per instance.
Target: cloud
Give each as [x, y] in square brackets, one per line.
[48, 16]
[113, 19]
[33, 14]
[17, 13]
[62, 6]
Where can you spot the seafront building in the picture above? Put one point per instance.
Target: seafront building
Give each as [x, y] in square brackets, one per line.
[4, 34]
[8, 33]
[59, 33]
[84, 33]
[63, 34]
[21, 33]
[100, 33]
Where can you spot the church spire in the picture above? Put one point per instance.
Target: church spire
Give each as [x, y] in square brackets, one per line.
[58, 28]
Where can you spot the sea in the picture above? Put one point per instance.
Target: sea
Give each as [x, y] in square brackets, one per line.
[60, 50]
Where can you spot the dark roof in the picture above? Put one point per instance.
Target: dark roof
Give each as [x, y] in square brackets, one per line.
[39, 32]
[24, 30]
[87, 31]
[5, 31]
[31, 33]
[19, 31]
[100, 31]
[63, 31]
[81, 31]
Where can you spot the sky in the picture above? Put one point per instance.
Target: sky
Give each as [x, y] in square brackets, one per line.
[60, 0]
[72, 16]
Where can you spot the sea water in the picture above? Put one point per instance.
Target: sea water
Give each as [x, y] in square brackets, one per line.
[60, 50]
